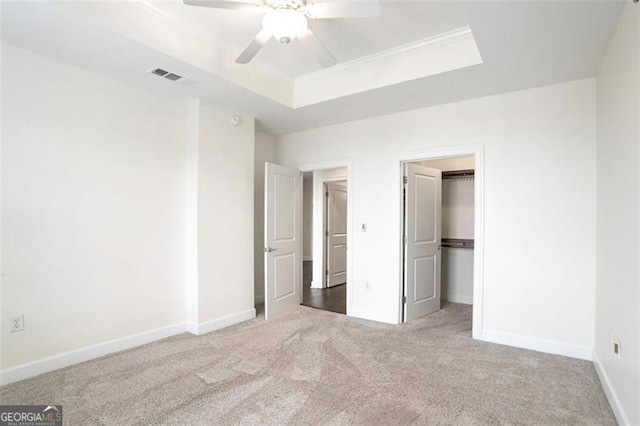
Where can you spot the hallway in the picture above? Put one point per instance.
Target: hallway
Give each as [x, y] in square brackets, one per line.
[332, 299]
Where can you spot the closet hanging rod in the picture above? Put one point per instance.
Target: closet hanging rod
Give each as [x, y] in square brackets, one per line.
[457, 243]
[457, 174]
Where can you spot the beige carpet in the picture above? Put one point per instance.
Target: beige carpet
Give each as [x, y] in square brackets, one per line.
[313, 367]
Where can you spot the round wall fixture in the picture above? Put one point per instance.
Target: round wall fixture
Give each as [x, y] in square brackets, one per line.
[234, 120]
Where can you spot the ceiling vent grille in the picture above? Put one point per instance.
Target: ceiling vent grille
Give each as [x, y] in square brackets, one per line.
[171, 76]
[159, 72]
[166, 74]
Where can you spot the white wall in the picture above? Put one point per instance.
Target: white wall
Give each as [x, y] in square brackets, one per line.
[539, 206]
[128, 215]
[225, 214]
[457, 275]
[3, 322]
[94, 207]
[319, 178]
[618, 213]
[458, 208]
[457, 197]
[457, 222]
[265, 151]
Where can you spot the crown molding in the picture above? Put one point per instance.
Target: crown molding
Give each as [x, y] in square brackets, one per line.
[438, 54]
[438, 39]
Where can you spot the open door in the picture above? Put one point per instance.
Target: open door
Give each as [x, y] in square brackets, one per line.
[336, 233]
[283, 239]
[422, 238]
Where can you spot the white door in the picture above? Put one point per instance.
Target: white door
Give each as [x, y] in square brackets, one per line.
[422, 220]
[336, 233]
[283, 239]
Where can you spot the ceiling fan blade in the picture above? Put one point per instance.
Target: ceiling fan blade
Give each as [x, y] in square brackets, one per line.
[226, 4]
[317, 49]
[344, 9]
[254, 47]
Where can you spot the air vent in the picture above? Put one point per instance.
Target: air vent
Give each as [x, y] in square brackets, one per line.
[160, 72]
[172, 77]
[165, 74]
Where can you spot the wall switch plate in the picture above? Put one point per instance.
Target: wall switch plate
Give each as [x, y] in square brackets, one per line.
[367, 285]
[16, 324]
[363, 227]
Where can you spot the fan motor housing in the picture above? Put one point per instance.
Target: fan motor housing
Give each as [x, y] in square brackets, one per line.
[285, 4]
[285, 24]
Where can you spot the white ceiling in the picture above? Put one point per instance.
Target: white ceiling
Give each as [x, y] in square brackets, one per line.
[348, 39]
[522, 44]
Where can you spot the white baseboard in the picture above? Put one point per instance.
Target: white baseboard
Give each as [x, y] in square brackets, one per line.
[307, 258]
[458, 298]
[218, 323]
[541, 345]
[258, 300]
[314, 285]
[610, 392]
[191, 327]
[377, 316]
[88, 353]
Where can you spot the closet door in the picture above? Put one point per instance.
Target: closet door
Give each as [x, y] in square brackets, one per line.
[422, 238]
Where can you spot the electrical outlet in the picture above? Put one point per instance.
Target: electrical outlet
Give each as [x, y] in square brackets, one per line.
[16, 324]
[616, 348]
[367, 285]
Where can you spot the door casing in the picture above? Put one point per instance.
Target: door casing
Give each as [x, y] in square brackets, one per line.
[477, 151]
[336, 164]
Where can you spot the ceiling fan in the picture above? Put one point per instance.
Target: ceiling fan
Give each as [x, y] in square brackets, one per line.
[286, 20]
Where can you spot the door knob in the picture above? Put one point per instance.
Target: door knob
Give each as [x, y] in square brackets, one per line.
[269, 249]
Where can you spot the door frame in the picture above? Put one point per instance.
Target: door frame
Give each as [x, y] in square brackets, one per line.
[336, 164]
[319, 227]
[477, 152]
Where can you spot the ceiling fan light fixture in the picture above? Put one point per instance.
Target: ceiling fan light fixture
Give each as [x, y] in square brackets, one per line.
[284, 24]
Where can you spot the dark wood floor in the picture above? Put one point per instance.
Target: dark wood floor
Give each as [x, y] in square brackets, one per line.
[332, 299]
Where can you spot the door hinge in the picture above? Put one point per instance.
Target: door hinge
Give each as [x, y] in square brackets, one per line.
[405, 180]
[404, 299]
[326, 233]
[405, 240]
[326, 272]
[326, 194]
